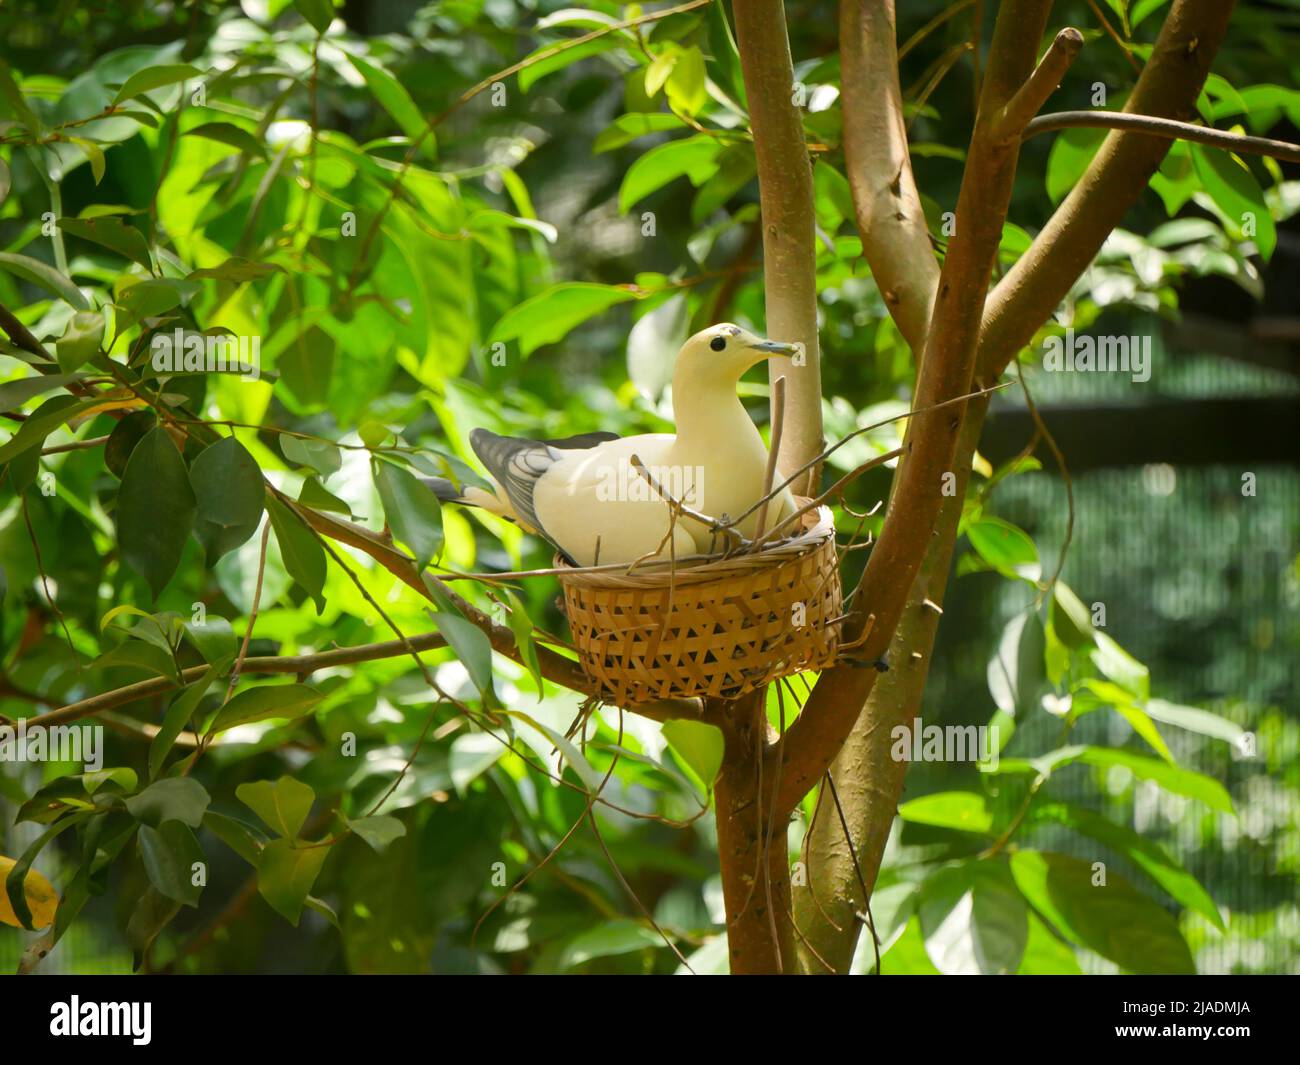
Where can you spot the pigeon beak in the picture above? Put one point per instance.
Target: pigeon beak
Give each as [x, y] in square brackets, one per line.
[770, 348]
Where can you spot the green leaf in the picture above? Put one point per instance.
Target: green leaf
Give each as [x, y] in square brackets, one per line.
[124, 438]
[306, 368]
[266, 701]
[121, 776]
[412, 510]
[698, 745]
[1233, 188]
[236, 835]
[1015, 672]
[319, 13]
[964, 811]
[232, 135]
[620, 936]
[304, 558]
[321, 455]
[974, 919]
[1124, 704]
[1197, 720]
[472, 755]
[112, 233]
[521, 627]
[17, 103]
[378, 831]
[181, 799]
[13, 394]
[152, 913]
[1070, 617]
[135, 654]
[151, 299]
[1071, 153]
[1115, 920]
[1121, 667]
[19, 881]
[628, 127]
[39, 273]
[179, 713]
[155, 77]
[80, 341]
[214, 639]
[551, 61]
[685, 85]
[695, 158]
[394, 99]
[236, 269]
[285, 875]
[41, 422]
[1007, 549]
[1185, 782]
[169, 854]
[1148, 856]
[284, 805]
[552, 315]
[470, 644]
[313, 494]
[229, 494]
[653, 343]
[155, 509]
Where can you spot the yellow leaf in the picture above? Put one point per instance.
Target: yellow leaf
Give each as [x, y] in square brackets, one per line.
[42, 899]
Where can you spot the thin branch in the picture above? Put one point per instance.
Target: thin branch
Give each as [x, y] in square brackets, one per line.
[1026, 103]
[1168, 128]
[563, 46]
[886, 204]
[1118, 174]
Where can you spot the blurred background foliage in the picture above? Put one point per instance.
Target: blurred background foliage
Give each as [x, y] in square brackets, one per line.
[415, 264]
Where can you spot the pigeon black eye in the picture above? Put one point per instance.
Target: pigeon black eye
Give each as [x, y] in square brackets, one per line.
[718, 343]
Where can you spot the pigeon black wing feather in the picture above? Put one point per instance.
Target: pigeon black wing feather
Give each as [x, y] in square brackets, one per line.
[518, 463]
[582, 441]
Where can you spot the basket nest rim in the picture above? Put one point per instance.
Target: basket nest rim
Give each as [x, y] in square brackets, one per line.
[818, 527]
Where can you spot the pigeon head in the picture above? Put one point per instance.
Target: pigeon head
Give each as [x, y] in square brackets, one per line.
[726, 351]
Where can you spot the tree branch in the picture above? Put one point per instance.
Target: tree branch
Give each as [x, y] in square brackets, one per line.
[789, 236]
[946, 369]
[1167, 128]
[895, 239]
[1028, 101]
[867, 777]
[1193, 32]
[1167, 88]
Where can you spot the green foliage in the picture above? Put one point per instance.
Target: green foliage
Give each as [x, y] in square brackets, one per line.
[412, 264]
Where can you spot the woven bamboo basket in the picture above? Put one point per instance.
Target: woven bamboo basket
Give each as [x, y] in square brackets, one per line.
[717, 628]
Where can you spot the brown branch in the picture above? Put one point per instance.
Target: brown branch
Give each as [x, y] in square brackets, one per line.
[1029, 100]
[1167, 128]
[1168, 87]
[946, 369]
[868, 778]
[786, 207]
[1020, 303]
[895, 239]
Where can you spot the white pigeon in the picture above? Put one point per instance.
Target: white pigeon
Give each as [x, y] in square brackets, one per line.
[585, 495]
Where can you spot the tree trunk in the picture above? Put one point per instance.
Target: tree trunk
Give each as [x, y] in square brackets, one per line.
[752, 847]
